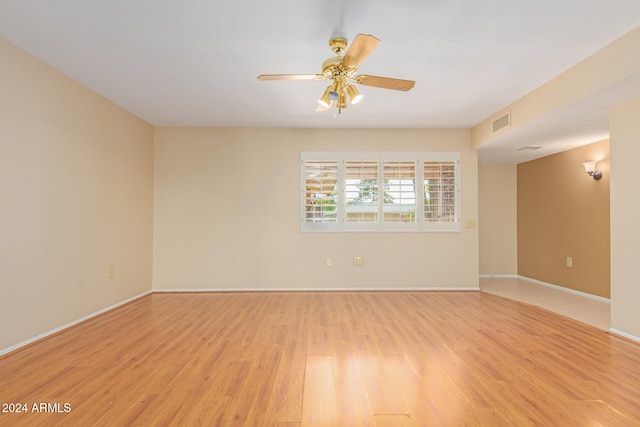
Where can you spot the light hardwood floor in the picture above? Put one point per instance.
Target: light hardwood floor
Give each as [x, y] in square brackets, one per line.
[592, 311]
[327, 359]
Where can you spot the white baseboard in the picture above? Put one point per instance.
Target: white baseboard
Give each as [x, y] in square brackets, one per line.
[574, 292]
[549, 285]
[568, 290]
[419, 289]
[624, 335]
[499, 276]
[196, 290]
[70, 324]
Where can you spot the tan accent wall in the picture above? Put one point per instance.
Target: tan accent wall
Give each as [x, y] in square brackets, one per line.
[76, 199]
[227, 214]
[563, 212]
[625, 205]
[497, 203]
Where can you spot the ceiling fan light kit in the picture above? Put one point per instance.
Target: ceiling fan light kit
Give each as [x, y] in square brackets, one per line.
[341, 69]
[325, 99]
[354, 94]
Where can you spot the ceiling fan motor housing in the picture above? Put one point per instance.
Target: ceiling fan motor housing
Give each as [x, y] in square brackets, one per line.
[331, 67]
[338, 45]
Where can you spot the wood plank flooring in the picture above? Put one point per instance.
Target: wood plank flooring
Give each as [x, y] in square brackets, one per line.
[584, 308]
[325, 359]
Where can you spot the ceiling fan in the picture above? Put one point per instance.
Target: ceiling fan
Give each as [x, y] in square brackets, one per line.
[341, 69]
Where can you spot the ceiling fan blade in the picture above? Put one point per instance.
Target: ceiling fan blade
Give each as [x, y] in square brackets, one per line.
[359, 50]
[385, 82]
[291, 77]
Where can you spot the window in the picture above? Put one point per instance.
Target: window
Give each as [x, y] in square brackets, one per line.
[440, 191]
[361, 191]
[380, 192]
[320, 197]
[399, 191]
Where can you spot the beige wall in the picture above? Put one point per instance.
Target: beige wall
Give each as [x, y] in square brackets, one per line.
[605, 68]
[497, 219]
[614, 64]
[76, 198]
[562, 212]
[227, 214]
[77, 188]
[625, 231]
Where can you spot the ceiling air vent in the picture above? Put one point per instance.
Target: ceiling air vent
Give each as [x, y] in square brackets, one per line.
[502, 122]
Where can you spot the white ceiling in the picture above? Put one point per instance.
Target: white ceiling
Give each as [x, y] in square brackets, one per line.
[195, 62]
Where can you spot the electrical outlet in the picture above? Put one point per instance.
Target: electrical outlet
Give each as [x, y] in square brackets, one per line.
[569, 261]
[358, 261]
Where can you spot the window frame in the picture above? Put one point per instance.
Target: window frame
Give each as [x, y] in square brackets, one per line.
[318, 226]
[342, 225]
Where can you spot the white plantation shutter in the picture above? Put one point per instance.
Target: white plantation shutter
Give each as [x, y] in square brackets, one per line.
[441, 191]
[399, 179]
[439, 188]
[320, 191]
[361, 191]
[380, 191]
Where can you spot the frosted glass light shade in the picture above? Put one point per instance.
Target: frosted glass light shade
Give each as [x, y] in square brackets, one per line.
[589, 167]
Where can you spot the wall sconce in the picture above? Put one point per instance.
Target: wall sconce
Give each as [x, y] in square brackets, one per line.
[590, 167]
